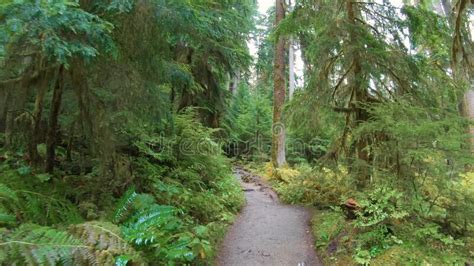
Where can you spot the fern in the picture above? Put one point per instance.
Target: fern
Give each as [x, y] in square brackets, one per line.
[38, 245]
[124, 204]
[32, 206]
[101, 235]
[91, 243]
[47, 210]
[6, 218]
[151, 225]
[156, 230]
[104, 238]
[7, 194]
[8, 202]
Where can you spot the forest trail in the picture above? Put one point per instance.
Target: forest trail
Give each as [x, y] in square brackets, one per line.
[267, 232]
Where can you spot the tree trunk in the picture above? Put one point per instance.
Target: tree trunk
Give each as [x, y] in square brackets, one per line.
[81, 89]
[53, 121]
[359, 98]
[70, 143]
[35, 137]
[291, 65]
[468, 112]
[278, 136]
[9, 124]
[5, 104]
[9, 116]
[234, 82]
[461, 61]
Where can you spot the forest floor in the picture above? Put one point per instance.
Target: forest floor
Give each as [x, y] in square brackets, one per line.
[267, 232]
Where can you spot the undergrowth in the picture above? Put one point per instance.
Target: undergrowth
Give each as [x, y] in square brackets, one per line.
[175, 210]
[388, 225]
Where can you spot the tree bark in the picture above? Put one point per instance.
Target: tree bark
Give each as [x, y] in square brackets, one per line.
[9, 124]
[70, 143]
[6, 94]
[279, 91]
[234, 82]
[35, 138]
[81, 89]
[291, 70]
[53, 121]
[461, 62]
[468, 112]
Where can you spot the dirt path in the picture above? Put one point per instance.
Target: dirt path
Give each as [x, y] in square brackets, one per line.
[267, 232]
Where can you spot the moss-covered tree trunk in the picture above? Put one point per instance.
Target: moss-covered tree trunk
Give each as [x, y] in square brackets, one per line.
[53, 121]
[278, 136]
[4, 103]
[36, 136]
[463, 68]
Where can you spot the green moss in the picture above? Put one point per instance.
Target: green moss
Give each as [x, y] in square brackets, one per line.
[416, 254]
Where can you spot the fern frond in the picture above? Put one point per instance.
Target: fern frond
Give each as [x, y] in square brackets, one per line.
[155, 214]
[40, 245]
[150, 225]
[105, 239]
[33, 206]
[101, 235]
[124, 204]
[47, 210]
[91, 243]
[6, 218]
[7, 193]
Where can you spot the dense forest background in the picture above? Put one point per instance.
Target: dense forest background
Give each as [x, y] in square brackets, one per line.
[121, 120]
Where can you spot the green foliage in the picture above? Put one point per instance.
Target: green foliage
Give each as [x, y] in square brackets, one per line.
[159, 232]
[381, 103]
[124, 204]
[106, 245]
[318, 186]
[248, 124]
[21, 202]
[139, 176]
[431, 233]
[379, 210]
[137, 120]
[428, 31]
[430, 154]
[47, 27]
[327, 226]
[96, 243]
[191, 194]
[380, 206]
[33, 244]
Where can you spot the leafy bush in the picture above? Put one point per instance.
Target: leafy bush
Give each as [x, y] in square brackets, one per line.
[380, 207]
[318, 186]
